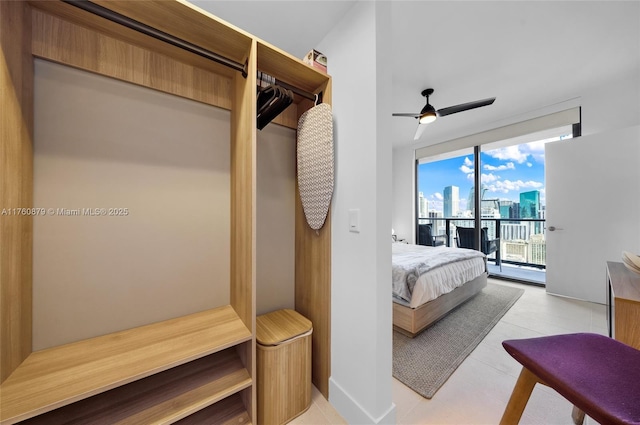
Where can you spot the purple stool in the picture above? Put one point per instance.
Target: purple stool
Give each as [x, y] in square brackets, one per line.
[599, 375]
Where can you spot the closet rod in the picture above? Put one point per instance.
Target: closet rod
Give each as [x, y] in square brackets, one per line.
[152, 32]
[316, 98]
[265, 78]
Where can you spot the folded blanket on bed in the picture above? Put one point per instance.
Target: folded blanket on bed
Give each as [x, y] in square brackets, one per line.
[411, 261]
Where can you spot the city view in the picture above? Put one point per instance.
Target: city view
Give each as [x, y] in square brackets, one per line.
[512, 197]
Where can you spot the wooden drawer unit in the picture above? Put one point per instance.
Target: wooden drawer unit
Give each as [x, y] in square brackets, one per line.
[623, 304]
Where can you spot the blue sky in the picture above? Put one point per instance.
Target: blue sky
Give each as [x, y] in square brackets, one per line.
[506, 172]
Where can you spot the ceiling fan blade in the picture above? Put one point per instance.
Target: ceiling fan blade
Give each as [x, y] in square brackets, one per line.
[465, 106]
[406, 115]
[419, 131]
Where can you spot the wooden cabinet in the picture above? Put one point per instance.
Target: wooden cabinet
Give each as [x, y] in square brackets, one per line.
[200, 368]
[623, 304]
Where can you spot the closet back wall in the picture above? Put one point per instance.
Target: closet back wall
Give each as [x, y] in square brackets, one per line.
[275, 204]
[103, 143]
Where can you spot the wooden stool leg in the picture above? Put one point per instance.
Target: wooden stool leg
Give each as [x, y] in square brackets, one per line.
[519, 398]
[577, 415]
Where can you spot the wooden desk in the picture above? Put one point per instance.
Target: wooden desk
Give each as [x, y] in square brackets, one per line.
[623, 304]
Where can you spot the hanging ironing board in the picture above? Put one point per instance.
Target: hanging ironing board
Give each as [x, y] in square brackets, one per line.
[315, 163]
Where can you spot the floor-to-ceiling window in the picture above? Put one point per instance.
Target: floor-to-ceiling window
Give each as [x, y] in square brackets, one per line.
[512, 199]
[444, 186]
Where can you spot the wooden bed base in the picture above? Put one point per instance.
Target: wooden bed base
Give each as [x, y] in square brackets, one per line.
[411, 321]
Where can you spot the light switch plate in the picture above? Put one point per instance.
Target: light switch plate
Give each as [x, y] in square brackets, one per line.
[354, 221]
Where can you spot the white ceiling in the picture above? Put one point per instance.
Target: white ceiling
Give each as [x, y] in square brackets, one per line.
[293, 26]
[528, 54]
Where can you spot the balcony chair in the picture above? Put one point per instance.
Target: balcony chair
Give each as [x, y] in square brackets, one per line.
[426, 237]
[465, 239]
[598, 375]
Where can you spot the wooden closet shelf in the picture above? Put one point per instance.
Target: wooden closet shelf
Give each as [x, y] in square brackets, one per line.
[289, 69]
[58, 376]
[229, 411]
[162, 398]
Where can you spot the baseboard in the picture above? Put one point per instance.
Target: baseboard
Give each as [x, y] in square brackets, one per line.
[353, 412]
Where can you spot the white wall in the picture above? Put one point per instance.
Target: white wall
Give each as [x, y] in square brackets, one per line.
[361, 335]
[611, 106]
[404, 188]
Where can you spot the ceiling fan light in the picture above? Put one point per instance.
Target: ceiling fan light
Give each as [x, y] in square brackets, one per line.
[427, 117]
[428, 114]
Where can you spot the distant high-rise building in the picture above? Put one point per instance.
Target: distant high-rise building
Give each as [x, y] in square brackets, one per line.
[451, 201]
[515, 231]
[438, 226]
[530, 204]
[516, 250]
[490, 208]
[471, 206]
[423, 206]
[530, 207]
[538, 249]
[515, 210]
[509, 209]
[505, 209]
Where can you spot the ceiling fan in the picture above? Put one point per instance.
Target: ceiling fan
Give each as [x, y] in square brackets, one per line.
[428, 114]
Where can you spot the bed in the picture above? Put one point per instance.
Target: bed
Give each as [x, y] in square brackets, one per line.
[428, 282]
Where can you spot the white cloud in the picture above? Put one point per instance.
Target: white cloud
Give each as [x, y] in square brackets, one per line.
[521, 153]
[529, 164]
[467, 166]
[488, 178]
[438, 196]
[510, 153]
[507, 166]
[536, 147]
[506, 186]
[539, 157]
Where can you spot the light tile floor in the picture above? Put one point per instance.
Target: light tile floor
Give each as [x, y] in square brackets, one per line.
[479, 389]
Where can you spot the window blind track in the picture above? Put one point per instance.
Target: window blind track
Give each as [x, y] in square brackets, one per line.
[157, 34]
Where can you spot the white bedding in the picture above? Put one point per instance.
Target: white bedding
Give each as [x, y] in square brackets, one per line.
[423, 273]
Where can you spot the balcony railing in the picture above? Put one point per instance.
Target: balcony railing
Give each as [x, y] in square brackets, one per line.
[522, 242]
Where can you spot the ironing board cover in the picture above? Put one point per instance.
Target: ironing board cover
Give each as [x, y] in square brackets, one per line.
[315, 163]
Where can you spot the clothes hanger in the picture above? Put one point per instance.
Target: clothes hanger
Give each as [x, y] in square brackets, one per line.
[275, 106]
[266, 97]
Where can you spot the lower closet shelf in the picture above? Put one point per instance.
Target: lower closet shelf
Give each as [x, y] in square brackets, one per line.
[162, 398]
[229, 411]
[56, 377]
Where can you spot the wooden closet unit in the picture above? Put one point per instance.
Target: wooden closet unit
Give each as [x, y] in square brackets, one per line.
[192, 369]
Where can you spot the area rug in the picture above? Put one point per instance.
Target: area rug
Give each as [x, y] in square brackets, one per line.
[425, 362]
